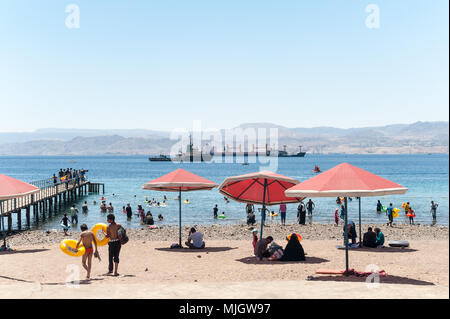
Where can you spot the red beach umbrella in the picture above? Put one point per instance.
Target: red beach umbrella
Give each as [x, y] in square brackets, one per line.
[13, 188]
[348, 181]
[266, 188]
[179, 180]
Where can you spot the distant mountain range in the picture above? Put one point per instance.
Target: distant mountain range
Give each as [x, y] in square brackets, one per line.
[419, 137]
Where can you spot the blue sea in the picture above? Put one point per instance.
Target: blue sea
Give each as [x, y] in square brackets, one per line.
[425, 176]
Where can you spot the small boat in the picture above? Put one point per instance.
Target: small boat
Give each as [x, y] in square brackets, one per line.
[245, 163]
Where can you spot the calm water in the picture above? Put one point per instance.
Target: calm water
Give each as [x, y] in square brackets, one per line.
[426, 177]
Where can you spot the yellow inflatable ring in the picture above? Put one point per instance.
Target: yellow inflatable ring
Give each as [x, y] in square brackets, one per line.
[274, 215]
[68, 247]
[98, 231]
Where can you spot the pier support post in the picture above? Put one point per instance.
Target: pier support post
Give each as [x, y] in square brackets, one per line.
[19, 219]
[28, 215]
[9, 222]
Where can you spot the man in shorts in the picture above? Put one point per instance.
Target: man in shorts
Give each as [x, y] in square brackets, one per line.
[112, 232]
[87, 238]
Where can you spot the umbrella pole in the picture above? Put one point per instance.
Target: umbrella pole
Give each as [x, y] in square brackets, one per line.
[3, 223]
[179, 228]
[359, 221]
[263, 211]
[346, 237]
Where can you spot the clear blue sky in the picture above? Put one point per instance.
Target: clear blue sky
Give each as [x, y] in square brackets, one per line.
[162, 64]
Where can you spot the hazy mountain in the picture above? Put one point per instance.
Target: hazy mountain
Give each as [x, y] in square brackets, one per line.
[419, 137]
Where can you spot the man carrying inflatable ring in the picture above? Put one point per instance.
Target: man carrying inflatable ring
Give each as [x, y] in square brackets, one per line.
[87, 238]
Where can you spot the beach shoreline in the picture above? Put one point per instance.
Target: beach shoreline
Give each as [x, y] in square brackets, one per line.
[241, 231]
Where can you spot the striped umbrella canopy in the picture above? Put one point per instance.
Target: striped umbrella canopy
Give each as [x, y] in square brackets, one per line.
[346, 180]
[179, 181]
[13, 188]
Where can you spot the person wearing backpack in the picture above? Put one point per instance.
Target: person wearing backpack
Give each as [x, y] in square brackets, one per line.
[114, 244]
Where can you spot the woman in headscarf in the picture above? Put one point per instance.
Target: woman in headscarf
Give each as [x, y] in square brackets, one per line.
[294, 250]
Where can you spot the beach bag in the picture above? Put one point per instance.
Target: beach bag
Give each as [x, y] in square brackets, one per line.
[274, 247]
[122, 235]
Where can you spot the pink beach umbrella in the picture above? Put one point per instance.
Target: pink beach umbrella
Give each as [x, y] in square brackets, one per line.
[265, 188]
[13, 188]
[346, 180]
[179, 181]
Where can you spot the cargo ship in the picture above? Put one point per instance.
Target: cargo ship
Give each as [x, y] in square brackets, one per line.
[284, 153]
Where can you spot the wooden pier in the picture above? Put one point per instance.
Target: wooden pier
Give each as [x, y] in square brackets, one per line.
[48, 200]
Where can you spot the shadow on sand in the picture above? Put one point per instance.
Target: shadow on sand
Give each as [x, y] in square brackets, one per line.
[389, 279]
[255, 261]
[25, 251]
[382, 250]
[74, 283]
[203, 250]
[16, 279]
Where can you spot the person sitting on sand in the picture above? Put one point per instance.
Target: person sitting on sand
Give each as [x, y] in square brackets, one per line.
[255, 240]
[195, 239]
[262, 250]
[380, 237]
[87, 237]
[350, 228]
[149, 219]
[294, 250]
[160, 217]
[370, 238]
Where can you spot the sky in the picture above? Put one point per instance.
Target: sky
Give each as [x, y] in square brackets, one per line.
[164, 64]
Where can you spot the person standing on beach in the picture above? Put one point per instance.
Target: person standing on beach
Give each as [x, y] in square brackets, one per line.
[74, 214]
[389, 213]
[336, 216]
[434, 207]
[301, 213]
[283, 214]
[112, 232]
[215, 211]
[87, 237]
[129, 211]
[65, 224]
[309, 207]
[407, 208]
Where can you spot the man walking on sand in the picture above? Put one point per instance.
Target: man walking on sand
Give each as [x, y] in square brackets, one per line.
[87, 237]
[113, 244]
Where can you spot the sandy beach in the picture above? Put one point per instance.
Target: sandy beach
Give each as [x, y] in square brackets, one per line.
[36, 268]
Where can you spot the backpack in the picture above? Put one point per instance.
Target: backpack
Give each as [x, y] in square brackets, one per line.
[122, 235]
